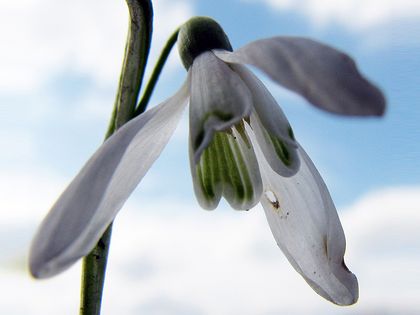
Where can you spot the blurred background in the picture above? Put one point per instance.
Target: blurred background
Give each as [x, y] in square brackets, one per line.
[59, 67]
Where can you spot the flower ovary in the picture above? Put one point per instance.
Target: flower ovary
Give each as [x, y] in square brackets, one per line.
[198, 35]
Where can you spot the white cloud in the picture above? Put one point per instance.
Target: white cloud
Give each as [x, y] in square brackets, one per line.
[19, 146]
[384, 245]
[353, 14]
[43, 37]
[27, 193]
[171, 257]
[22, 295]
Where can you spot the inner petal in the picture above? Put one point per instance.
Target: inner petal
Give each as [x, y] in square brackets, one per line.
[281, 155]
[227, 167]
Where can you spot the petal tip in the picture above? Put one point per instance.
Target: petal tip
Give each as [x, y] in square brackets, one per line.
[40, 267]
[349, 281]
[342, 293]
[373, 100]
[35, 271]
[381, 105]
[46, 260]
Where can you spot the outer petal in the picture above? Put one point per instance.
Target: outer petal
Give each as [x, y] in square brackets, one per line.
[219, 100]
[91, 201]
[305, 225]
[326, 77]
[272, 130]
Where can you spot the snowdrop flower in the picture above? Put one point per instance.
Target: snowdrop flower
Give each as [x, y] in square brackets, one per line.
[241, 147]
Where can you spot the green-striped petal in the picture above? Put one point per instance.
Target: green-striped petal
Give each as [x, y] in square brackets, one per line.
[281, 155]
[227, 167]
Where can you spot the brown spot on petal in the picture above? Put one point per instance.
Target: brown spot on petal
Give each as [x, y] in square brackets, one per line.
[325, 246]
[272, 198]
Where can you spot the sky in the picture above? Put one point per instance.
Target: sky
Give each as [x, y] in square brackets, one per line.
[60, 64]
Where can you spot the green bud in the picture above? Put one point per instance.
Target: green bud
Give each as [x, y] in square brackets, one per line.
[198, 35]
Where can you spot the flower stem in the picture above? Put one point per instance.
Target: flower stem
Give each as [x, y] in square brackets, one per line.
[134, 65]
[156, 72]
[93, 275]
[132, 73]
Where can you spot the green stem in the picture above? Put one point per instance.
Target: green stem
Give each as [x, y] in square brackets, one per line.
[134, 64]
[93, 275]
[156, 72]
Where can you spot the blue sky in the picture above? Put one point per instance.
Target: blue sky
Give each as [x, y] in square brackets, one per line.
[57, 86]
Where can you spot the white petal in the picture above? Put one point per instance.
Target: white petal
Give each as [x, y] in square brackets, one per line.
[305, 225]
[89, 204]
[326, 77]
[272, 130]
[219, 100]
